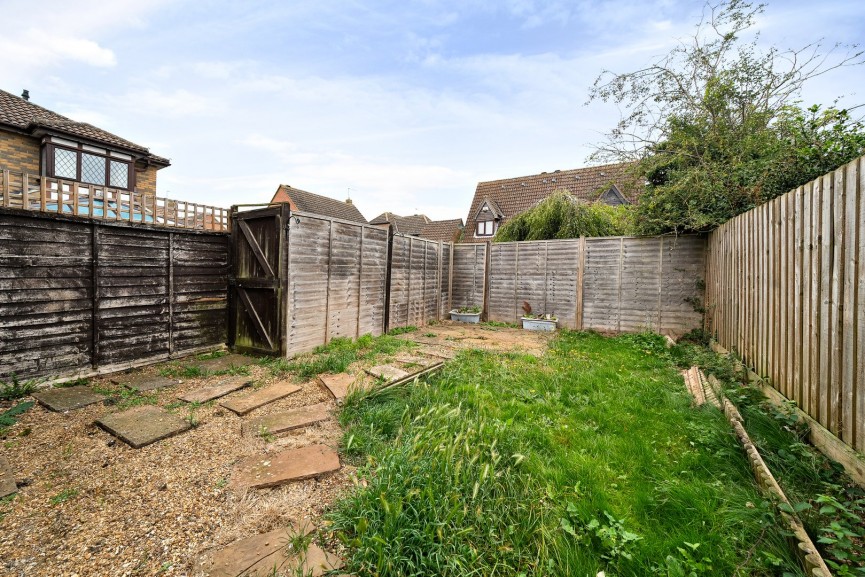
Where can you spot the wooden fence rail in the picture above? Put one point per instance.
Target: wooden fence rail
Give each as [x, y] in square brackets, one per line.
[24, 191]
[785, 290]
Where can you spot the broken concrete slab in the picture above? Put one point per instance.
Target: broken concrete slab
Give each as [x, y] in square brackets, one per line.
[257, 555]
[68, 398]
[218, 389]
[7, 479]
[261, 471]
[387, 372]
[293, 419]
[140, 426]
[315, 562]
[260, 397]
[441, 352]
[139, 382]
[223, 363]
[338, 385]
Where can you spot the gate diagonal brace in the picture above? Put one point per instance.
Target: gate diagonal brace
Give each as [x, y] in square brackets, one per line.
[253, 314]
[256, 248]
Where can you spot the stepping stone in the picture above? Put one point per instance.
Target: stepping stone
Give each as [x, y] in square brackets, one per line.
[218, 389]
[223, 363]
[413, 360]
[387, 372]
[139, 382]
[260, 397]
[259, 472]
[140, 426]
[338, 385]
[264, 555]
[68, 398]
[7, 479]
[440, 352]
[293, 419]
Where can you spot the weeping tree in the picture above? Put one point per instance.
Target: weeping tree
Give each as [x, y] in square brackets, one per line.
[560, 215]
[715, 125]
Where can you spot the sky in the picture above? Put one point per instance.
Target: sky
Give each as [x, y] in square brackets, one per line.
[402, 105]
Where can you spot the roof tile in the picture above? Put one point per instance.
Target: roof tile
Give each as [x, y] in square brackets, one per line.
[316, 204]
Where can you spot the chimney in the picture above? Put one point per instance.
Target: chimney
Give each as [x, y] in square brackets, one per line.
[348, 201]
[26, 95]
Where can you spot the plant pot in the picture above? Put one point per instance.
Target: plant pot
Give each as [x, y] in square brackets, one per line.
[466, 317]
[539, 324]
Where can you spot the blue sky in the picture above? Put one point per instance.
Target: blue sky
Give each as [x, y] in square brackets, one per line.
[408, 104]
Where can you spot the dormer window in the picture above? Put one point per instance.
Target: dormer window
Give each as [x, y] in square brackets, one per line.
[487, 228]
[69, 160]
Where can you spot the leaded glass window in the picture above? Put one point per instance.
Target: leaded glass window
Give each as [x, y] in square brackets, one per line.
[119, 175]
[65, 163]
[92, 168]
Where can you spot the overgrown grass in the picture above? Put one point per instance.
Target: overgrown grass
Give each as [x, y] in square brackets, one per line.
[336, 356]
[590, 459]
[124, 398]
[16, 389]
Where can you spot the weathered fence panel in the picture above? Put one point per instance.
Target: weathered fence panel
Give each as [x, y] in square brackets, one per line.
[467, 288]
[336, 281]
[79, 297]
[786, 292]
[417, 266]
[606, 284]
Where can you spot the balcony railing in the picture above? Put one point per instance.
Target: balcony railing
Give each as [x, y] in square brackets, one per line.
[51, 195]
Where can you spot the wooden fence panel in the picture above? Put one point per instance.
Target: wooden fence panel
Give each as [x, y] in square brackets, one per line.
[469, 273]
[81, 297]
[416, 267]
[804, 299]
[336, 281]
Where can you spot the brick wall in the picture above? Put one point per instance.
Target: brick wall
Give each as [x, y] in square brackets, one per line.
[19, 153]
[145, 180]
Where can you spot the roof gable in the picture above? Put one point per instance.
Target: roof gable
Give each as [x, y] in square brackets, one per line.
[27, 117]
[515, 195]
[304, 201]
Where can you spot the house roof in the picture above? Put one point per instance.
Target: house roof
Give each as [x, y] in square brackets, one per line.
[511, 196]
[411, 225]
[28, 117]
[317, 204]
[443, 230]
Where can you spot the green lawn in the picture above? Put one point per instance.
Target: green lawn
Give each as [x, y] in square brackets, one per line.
[589, 459]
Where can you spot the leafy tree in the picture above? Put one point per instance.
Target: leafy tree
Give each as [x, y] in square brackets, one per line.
[560, 215]
[715, 126]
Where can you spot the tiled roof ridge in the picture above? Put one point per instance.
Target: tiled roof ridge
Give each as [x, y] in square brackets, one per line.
[611, 165]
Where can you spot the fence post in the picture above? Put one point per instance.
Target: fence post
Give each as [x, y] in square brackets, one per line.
[486, 277]
[170, 294]
[387, 279]
[581, 266]
[451, 279]
[94, 303]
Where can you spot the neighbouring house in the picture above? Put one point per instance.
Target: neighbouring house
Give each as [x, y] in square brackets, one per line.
[496, 201]
[303, 201]
[422, 226]
[39, 142]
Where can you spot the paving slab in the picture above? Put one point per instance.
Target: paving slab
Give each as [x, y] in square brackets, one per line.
[338, 385]
[215, 390]
[139, 382]
[260, 397]
[294, 419]
[223, 363]
[387, 372]
[442, 352]
[7, 479]
[255, 556]
[263, 471]
[415, 360]
[140, 426]
[68, 398]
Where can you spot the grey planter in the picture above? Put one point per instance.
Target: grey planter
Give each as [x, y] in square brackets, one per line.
[466, 317]
[539, 324]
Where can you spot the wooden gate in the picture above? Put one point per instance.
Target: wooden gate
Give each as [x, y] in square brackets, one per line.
[258, 280]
